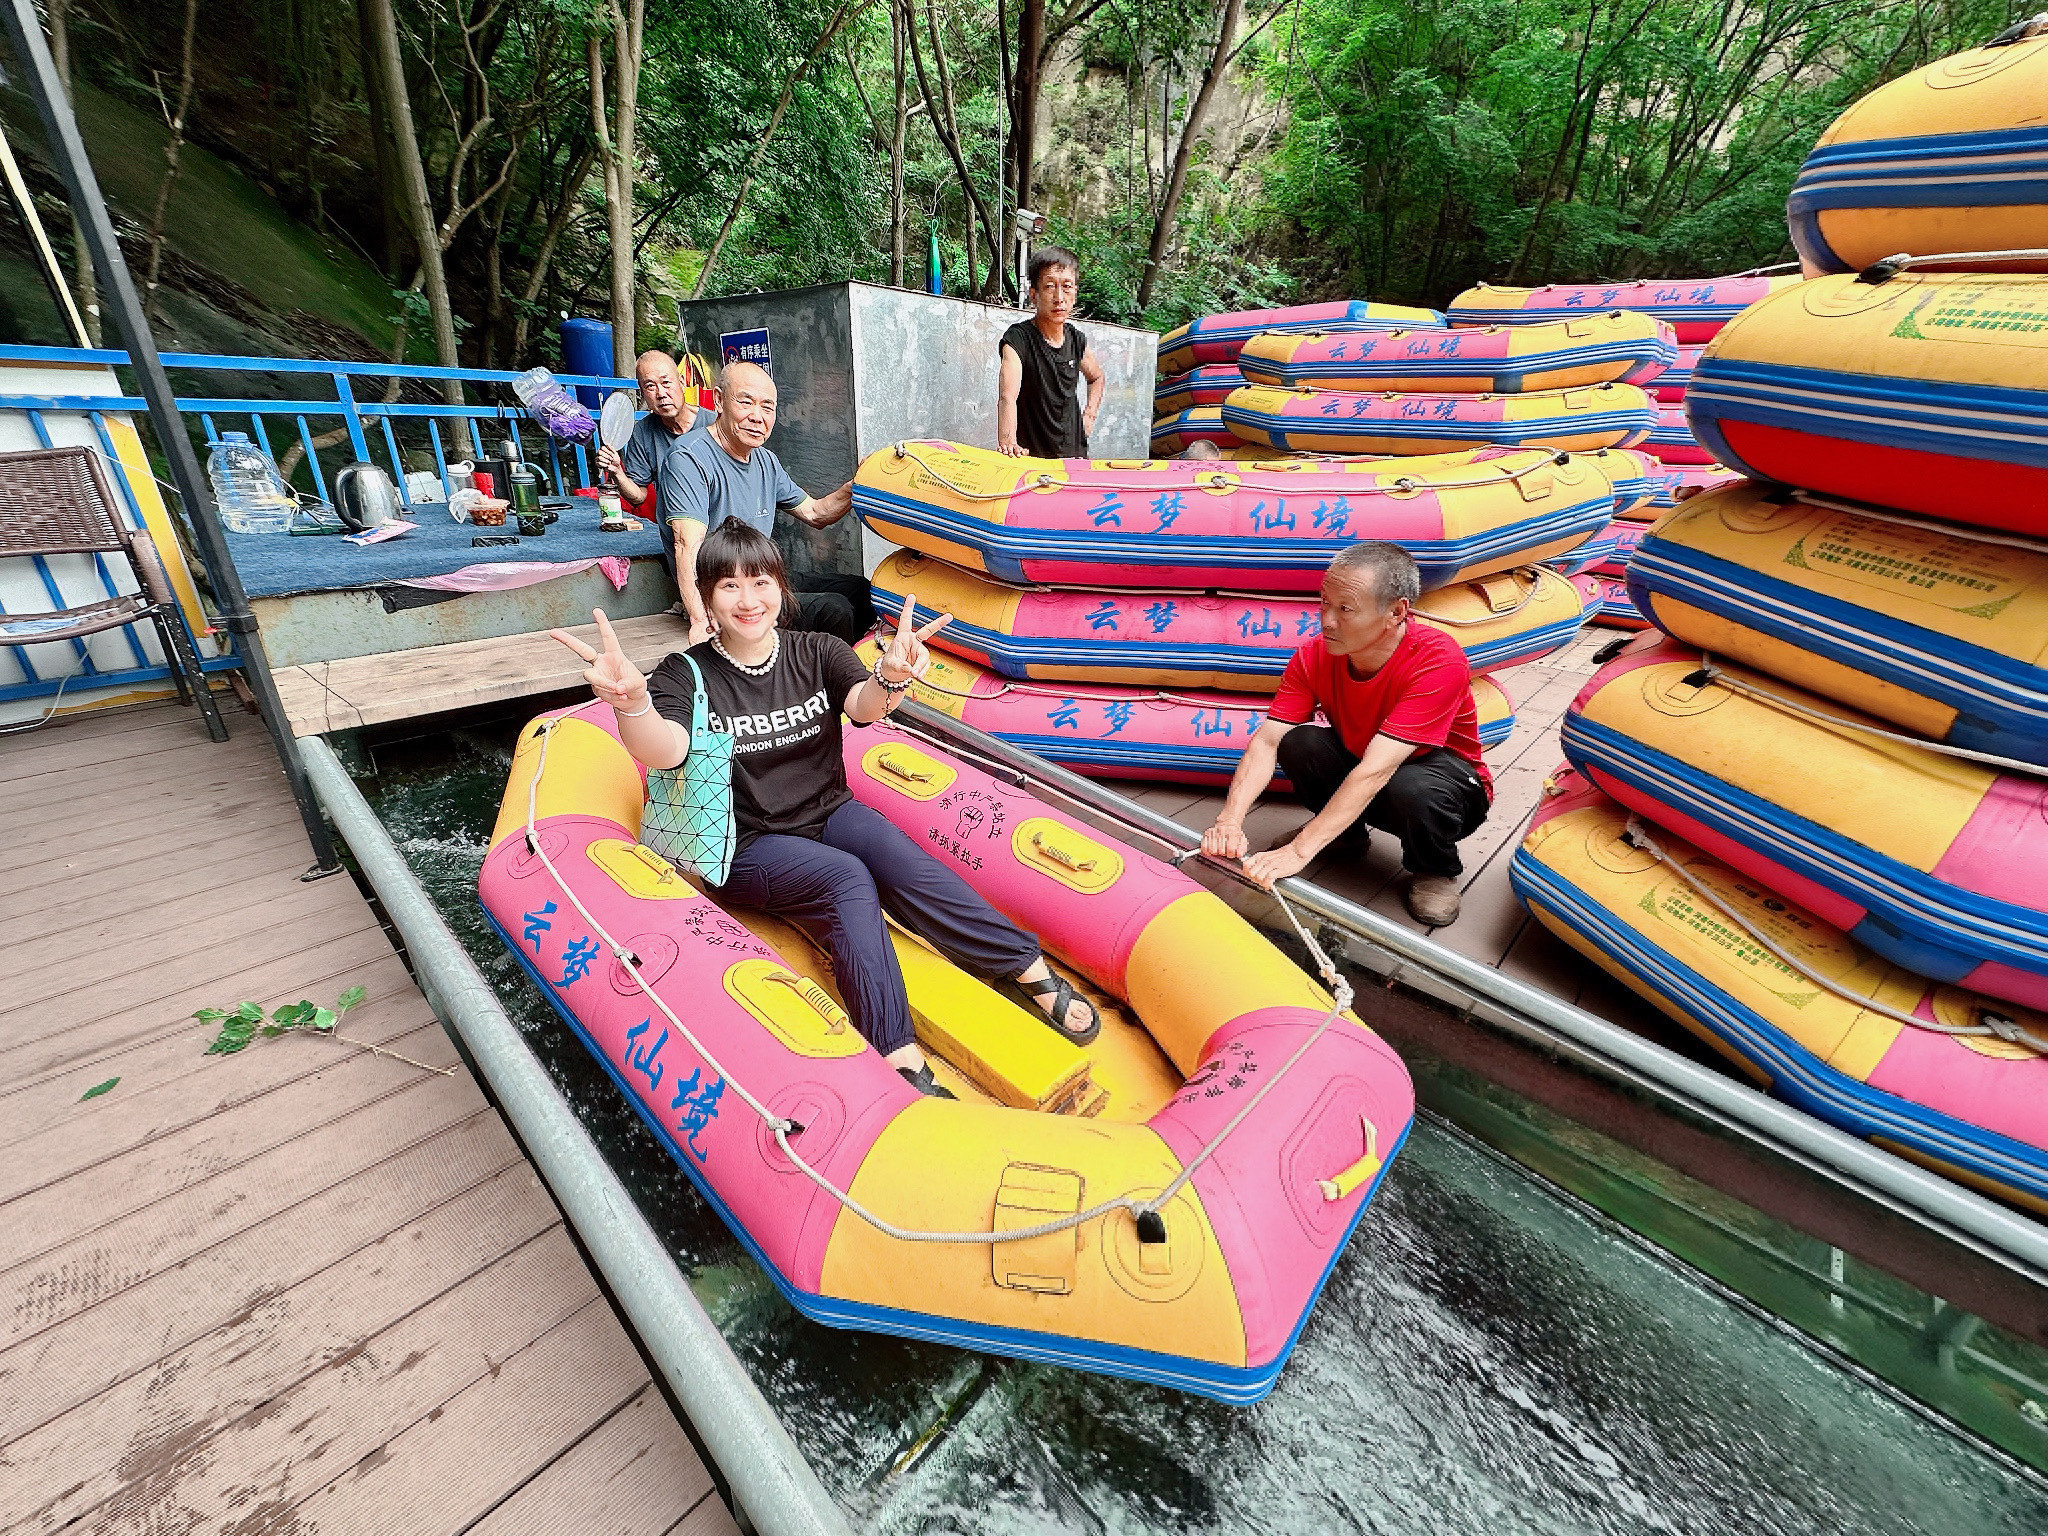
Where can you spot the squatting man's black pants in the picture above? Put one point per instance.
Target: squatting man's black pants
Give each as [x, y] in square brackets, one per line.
[1432, 801]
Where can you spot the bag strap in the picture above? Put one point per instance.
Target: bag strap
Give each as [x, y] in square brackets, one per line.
[700, 726]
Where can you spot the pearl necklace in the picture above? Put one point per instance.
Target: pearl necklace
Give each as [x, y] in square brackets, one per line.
[760, 670]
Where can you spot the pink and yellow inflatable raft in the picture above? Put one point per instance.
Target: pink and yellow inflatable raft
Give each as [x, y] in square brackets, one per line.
[1935, 862]
[1644, 909]
[1219, 338]
[1206, 385]
[1207, 1294]
[1270, 526]
[1569, 420]
[1695, 308]
[1239, 641]
[1196, 424]
[1108, 731]
[1611, 348]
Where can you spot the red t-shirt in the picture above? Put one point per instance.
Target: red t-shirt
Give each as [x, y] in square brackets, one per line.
[1423, 694]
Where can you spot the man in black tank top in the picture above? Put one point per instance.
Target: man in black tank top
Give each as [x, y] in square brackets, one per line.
[1039, 410]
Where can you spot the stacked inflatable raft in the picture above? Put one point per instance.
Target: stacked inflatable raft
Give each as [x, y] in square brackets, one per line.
[1130, 620]
[1810, 819]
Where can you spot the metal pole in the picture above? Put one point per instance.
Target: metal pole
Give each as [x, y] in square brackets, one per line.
[60, 125]
[769, 1477]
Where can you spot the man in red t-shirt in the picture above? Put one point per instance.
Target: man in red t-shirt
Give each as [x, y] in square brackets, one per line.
[1401, 751]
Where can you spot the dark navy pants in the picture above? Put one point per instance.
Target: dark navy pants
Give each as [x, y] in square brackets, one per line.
[1432, 801]
[837, 888]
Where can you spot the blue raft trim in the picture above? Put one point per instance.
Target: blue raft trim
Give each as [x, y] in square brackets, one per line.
[1225, 1384]
[1281, 431]
[1508, 375]
[1797, 1075]
[1013, 655]
[1994, 423]
[1914, 918]
[2001, 701]
[1005, 548]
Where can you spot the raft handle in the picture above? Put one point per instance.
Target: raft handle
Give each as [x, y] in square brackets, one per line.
[1342, 1183]
[1059, 855]
[1151, 1227]
[912, 775]
[811, 992]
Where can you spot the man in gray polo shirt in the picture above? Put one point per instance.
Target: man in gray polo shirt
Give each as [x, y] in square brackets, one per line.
[728, 471]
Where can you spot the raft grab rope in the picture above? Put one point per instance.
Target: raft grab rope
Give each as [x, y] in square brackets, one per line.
[1996, 1025]
[1145, 1213]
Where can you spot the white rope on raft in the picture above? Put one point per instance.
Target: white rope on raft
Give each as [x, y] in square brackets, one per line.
[1221, 480]
[782, 1127]
[1717, 674]
[1995, 1025]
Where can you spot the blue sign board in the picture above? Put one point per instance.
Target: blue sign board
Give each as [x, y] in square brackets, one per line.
[745, 347]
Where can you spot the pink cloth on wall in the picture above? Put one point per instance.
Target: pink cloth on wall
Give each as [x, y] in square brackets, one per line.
[510, 575]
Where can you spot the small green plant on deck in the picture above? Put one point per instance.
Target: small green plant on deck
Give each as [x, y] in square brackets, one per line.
[238, 1027]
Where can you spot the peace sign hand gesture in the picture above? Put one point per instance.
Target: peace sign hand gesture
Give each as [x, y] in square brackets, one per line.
[611, 674]
[906, 657]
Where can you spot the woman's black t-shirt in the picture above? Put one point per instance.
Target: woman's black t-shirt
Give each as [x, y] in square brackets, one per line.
[787, 774]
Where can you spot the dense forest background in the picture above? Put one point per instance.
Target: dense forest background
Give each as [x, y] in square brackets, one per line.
[500, 162]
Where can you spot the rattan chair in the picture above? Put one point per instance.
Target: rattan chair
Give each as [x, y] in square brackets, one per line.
[57, 501]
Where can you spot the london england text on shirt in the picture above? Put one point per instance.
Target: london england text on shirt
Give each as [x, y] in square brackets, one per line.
[765, 727]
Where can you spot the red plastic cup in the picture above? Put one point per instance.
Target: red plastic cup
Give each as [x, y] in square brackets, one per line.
[485, 482]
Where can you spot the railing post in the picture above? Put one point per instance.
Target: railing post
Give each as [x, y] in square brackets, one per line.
[345, 393]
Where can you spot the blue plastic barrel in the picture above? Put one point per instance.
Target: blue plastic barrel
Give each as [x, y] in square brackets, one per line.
[587, 349]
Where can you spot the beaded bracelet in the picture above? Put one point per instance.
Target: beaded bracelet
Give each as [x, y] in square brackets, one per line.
[884, 684]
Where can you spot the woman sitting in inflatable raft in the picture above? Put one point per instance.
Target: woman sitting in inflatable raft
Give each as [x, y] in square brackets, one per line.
[1164, 1203]
[808, 850]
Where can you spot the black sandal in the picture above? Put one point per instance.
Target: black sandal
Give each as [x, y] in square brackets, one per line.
[1063, 997]
[925, 1083]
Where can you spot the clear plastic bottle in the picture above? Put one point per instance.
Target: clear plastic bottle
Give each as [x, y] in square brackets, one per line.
[251, 494]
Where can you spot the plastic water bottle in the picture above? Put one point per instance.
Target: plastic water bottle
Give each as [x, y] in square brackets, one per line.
[549, 402]
[251, 494]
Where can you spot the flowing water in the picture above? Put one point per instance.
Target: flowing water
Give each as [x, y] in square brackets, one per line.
[1488, 1357]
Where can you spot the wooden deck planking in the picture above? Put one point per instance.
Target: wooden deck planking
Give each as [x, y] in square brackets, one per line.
[304, 1287]
[398, 685]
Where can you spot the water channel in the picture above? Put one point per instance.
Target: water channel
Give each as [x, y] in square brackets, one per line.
[1489, 1355]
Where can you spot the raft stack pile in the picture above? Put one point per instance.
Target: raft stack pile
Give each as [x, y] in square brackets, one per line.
[1131, 620]
[1198, 362]
[1810, 820]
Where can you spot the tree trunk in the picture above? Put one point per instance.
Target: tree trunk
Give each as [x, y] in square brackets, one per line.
[416, 201]
[615, 143]
[1025, 81]
[971, 192]
[83, 279]
[944, 123]
[848, 9]
[171, 149]
[544, 258]
[380, 141]
[1198, 109]
[897, 22]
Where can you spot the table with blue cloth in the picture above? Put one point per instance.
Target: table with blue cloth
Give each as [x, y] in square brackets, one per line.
[277, 564]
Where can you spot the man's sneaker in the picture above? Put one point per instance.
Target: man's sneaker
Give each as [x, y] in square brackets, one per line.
[1433, 900]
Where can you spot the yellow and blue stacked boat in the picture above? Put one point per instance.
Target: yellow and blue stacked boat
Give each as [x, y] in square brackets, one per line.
[1809, 820]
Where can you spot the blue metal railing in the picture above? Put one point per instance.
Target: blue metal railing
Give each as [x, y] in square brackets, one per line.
[370, 425]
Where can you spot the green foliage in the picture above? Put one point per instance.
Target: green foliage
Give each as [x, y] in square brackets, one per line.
[98, 1088]
[1435, 142]
[240, 1026]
